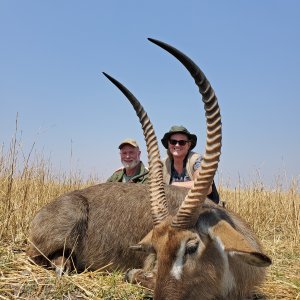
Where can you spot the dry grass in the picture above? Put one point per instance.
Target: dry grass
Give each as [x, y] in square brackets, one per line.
[274, 216]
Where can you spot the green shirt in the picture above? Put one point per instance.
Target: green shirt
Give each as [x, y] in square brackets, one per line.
[141, 175]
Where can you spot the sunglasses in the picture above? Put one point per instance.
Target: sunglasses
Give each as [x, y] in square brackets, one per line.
[180, 143]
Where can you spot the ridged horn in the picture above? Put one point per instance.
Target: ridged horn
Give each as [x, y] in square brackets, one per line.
[158, 202]
[188, 212]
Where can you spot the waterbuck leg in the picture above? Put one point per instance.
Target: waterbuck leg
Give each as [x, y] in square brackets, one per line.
[139, 276]
[62, 265]
[146, 277]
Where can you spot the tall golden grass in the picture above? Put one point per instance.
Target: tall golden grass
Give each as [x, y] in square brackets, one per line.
[27, 183]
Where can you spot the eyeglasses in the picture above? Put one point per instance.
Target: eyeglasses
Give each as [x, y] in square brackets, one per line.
[181, 142]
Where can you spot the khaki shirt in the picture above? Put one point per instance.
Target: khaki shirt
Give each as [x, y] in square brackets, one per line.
[167, 163]
[191, 159]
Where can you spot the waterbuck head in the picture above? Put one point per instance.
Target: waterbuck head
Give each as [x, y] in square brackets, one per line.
[186, 249]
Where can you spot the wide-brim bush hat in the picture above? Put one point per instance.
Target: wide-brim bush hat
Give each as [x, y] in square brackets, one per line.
[182, 130]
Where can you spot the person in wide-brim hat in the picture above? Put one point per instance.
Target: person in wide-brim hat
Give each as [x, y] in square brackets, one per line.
[179, 129]
[182, 165]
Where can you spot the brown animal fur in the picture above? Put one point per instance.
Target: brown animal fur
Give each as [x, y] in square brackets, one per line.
[95, 226]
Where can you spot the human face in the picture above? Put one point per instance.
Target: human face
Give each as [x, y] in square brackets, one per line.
[179, 151]
[130, 156]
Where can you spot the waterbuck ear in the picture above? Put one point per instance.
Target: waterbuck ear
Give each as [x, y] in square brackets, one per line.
[254, 258]
[145, 244]
[235, 244]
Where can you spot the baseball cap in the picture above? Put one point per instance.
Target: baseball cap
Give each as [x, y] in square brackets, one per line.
[131, 142]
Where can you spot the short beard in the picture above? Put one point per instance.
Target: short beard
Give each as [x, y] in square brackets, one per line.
[130, 165]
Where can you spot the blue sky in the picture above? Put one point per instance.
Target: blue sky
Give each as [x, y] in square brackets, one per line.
[53, 53]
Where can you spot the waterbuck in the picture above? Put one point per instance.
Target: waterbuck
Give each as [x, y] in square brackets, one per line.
[198, 250]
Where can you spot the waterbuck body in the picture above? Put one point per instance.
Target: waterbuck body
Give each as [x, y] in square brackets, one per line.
[198, 250]
[96, 225]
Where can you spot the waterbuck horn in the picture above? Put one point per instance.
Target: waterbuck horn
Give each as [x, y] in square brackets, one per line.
[158, 202]
[188, 212]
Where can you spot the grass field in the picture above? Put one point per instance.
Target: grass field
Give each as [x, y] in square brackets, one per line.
[27, 184]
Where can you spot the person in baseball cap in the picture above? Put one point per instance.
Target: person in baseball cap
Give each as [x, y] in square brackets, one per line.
[133, 169]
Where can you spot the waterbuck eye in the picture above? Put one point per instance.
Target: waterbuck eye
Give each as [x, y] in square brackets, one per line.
[191, 246]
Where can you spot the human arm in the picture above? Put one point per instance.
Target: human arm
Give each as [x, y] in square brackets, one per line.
[184, 184]
[189, 184]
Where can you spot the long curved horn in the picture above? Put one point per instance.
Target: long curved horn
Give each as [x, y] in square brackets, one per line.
[158, 202]
[188, 212]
